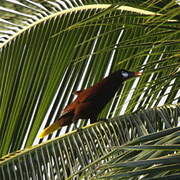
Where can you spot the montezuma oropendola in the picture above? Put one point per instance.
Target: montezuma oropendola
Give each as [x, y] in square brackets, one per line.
[90, 102]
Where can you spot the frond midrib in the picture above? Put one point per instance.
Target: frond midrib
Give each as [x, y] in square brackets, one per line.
[19, 153]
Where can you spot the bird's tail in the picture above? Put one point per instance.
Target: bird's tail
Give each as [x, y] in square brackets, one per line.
[55, 126]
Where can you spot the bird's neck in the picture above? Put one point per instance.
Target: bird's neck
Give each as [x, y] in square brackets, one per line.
[111, 82]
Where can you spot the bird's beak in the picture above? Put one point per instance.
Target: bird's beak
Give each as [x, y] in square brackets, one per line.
[137, 74]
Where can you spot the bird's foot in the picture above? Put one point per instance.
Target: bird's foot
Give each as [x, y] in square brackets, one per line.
[77, 128]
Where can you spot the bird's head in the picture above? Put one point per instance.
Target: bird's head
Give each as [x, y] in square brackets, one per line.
[124, 74]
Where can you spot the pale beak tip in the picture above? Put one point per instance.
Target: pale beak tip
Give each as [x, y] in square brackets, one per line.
[138, 73]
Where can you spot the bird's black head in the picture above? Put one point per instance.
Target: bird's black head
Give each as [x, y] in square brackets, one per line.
[124, 74]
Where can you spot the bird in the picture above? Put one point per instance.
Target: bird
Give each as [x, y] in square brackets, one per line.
[90, 101]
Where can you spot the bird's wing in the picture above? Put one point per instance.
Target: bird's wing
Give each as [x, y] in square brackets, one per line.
[71, 107]
[85, 95]
[88, 94]
[77, 92]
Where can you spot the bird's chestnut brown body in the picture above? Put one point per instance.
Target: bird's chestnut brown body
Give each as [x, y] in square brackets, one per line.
[90, 102]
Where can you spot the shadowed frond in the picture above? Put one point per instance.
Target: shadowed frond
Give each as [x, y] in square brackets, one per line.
[71, 49]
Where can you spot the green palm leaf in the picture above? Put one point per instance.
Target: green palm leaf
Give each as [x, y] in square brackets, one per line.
[63, 156]
[50, 49]
[56, 55]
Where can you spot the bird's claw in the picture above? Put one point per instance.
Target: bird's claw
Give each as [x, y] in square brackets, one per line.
[79, 130]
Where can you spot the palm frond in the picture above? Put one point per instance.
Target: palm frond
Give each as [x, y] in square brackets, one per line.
[65, 48]
[78, 153]
[154, 158]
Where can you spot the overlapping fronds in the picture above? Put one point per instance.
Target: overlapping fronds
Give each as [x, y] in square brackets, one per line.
[70, 48]
[104, 149]
[157, 158]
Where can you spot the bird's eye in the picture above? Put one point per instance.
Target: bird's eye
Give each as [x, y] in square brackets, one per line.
[124, 74]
